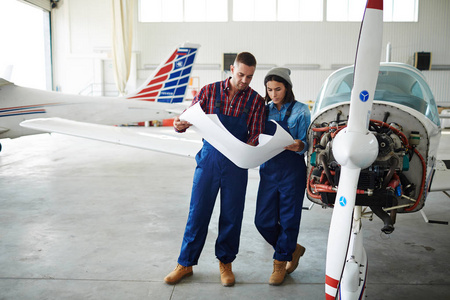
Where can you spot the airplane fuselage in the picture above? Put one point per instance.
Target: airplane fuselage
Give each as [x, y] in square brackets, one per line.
[160, 97]
[18, 104]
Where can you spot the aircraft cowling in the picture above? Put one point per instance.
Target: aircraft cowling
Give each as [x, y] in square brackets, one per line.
[395, 175]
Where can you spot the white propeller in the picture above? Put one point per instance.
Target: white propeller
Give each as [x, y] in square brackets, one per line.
[354, 147]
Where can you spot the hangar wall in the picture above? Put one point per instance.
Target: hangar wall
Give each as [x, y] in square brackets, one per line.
[82, 46]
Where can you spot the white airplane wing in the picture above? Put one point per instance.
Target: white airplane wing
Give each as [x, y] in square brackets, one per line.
[243, 155]
[134, 137]
[441, 177]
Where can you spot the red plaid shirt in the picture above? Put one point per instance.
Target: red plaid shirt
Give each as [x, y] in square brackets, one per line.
[234, 107]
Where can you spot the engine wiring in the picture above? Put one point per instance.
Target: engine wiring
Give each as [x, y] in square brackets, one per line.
[321, 175]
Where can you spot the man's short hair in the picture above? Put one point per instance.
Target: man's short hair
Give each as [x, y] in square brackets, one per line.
[245, 58]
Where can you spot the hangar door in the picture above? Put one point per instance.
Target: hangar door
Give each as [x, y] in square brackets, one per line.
[25, 57]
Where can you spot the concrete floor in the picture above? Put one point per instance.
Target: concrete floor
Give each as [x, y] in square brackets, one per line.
[81, 219]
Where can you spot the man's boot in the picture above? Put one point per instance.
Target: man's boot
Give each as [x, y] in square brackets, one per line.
[226, 274]
[292, 265]
[279, 272]
[179, 273]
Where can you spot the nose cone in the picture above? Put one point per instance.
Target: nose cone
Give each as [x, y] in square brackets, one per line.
[355, 149]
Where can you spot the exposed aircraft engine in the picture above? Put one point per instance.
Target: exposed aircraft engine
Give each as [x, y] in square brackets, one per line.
[393, 183]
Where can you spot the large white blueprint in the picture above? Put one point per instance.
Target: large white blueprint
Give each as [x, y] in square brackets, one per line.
[243, 155]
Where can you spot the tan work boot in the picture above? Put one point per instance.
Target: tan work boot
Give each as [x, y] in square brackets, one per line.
[226, 274]
[292, 265]
[179, 273]
[279, 272]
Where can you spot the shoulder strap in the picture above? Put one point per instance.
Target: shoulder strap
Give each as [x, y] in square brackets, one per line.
[217, 98]
[267, 110]
[289, 110]
[249, 103]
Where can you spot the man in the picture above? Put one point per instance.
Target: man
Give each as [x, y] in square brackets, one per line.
[241, 111]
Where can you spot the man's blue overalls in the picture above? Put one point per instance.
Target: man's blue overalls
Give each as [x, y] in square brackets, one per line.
[280, 197]
[215, 171]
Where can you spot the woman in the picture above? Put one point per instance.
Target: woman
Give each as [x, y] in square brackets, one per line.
[283, 178]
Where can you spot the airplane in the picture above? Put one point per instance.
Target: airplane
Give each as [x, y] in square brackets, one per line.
[160, 97]
[373, 142]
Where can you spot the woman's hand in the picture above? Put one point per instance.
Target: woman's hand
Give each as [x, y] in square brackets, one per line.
[296, 146]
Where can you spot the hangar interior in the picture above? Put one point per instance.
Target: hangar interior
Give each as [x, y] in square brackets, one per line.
[82, 219]
[81, 44]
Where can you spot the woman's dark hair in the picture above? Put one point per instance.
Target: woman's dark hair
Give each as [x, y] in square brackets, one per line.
[289, 97]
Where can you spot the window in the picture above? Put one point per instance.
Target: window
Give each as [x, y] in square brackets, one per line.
[206, 10]
[401, 10]
[345, 10]
[277, 10]
[183, 10]
[300, 10]
[271, 10]
[254, 10]
[353, 10]
[416, 90]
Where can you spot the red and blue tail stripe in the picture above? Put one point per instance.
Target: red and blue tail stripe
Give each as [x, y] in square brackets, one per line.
[171, 79]
[25, 110]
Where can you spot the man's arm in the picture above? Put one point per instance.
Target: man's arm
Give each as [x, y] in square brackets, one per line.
[181, 126]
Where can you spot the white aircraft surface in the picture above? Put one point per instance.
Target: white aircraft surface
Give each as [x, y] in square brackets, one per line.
[160, 97]
[373, 139]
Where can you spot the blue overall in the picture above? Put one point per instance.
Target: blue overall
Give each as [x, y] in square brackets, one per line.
[280, 198]
[215, 171]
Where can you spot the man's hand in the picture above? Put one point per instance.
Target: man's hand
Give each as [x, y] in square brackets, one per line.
[180, 125]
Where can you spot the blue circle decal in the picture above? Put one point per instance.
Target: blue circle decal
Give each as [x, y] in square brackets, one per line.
[364, 96]
[342, 201]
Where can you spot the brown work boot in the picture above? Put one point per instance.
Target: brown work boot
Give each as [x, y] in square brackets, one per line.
[179, 273]
[292, 265]
[279, 272]
[226, 274]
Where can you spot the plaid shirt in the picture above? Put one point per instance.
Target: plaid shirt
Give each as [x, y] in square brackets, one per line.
[233, 107]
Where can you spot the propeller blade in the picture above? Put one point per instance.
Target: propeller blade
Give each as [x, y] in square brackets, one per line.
[354, 147]
[367, 65]
[340, 230]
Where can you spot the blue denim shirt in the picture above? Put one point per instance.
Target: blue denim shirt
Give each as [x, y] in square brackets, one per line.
[298, 121]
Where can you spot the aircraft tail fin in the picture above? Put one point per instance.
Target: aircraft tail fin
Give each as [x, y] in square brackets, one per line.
[170, 80]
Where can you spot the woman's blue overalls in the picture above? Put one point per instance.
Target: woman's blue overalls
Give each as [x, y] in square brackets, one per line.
[215, 171]
[280, 198]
